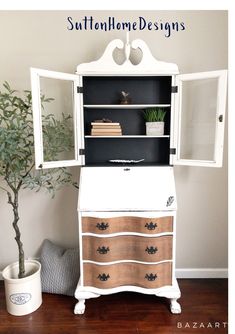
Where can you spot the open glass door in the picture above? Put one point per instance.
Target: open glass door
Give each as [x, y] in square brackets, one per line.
[199, 118]
[58, 133]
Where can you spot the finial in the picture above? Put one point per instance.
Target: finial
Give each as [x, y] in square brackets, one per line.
[127, 46]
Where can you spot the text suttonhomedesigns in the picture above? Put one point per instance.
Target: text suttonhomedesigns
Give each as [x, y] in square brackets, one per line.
[111, 23]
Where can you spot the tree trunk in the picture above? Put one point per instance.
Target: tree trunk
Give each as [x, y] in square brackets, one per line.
[15, 205]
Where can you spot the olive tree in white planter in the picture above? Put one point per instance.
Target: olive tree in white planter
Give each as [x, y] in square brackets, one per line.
[22, 279]
[154, 118]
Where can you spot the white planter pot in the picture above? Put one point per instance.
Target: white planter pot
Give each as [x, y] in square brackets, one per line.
[23, 295]
[154, 128]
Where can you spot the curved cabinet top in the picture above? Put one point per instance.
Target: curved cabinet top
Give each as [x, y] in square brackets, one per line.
[106, 65]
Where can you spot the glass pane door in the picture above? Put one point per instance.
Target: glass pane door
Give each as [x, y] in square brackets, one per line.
[199, 118]
[56, 105]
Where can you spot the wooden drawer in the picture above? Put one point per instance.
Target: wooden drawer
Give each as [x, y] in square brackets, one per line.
[142, 275]
[137, 248]
[127, 224]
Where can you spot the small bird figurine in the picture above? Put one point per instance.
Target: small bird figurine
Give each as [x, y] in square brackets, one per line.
[125, 99]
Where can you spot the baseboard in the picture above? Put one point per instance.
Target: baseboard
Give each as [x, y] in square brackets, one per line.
[202, 273]
[194, 273]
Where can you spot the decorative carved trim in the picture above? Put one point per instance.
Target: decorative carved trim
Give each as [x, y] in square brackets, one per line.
[107, 65]
[171, 291]
[170, 201]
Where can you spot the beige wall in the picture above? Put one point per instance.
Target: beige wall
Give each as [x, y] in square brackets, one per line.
[40, 39]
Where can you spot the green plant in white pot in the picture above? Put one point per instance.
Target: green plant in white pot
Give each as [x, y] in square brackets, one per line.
[154, 118]
[17, 172]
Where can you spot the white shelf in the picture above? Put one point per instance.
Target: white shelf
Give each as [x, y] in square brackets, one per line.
[129, 136]
[124, 106]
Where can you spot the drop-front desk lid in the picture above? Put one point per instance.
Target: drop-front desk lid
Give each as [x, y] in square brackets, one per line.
[127, 189]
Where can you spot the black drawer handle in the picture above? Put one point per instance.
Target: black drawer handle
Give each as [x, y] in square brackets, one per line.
[151, 250]
[151, 277]
[103, 277]
[102, 226]
[151, 226]
[103, 250]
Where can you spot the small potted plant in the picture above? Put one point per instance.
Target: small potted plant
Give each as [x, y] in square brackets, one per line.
[22, 278]
[154, 118]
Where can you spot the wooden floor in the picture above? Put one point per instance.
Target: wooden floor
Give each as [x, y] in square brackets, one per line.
[203, 301]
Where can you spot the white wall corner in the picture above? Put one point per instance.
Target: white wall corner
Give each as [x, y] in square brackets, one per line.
[202, 273]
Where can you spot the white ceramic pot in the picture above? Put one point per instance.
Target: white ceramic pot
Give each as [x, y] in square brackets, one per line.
[154, 128]
[23, 295]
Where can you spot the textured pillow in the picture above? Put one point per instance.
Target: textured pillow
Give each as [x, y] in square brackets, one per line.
[60, 269]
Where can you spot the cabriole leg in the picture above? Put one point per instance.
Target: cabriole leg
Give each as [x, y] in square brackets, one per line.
[80, 307]
[175, 306]
[81, 296]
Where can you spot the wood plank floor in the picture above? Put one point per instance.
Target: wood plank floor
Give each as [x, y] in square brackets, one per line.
[203, 301]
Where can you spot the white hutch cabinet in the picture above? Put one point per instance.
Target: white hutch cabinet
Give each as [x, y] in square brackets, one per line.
[127, 212]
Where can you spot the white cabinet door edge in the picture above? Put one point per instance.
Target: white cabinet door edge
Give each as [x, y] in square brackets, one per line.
[220, 118]
[37, 118]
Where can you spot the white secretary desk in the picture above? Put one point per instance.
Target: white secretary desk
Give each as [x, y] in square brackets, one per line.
[127, 213]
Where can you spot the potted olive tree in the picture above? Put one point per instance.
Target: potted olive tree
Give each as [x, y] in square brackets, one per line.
[22, 279]
[154, 118]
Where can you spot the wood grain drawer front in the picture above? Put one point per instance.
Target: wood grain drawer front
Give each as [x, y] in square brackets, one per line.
[137, 248]
[142, 275]
[127, 224]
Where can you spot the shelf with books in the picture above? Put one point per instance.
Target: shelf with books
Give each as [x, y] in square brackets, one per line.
[128, 122]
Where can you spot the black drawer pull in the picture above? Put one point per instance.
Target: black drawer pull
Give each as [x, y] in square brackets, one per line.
[102, 226]
[151, 277]
[151, 250]
[103, 250]
[103, 277]
[151, 226]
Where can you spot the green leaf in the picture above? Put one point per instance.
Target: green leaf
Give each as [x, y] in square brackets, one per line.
[154, 114]
[17, 146]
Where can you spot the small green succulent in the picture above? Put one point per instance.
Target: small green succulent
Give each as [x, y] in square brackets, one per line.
[154, 114]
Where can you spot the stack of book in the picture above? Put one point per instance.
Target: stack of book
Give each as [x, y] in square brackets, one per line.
[105, 129]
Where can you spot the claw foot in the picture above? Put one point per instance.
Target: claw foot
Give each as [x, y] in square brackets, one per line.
[175, 307]
[80, 307]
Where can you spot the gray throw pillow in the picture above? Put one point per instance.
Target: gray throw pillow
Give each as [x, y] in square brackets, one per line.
[60, 269]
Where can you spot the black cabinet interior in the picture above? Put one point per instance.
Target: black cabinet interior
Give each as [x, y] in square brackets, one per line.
[142, 90]
[152, 150]
[131, 120]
